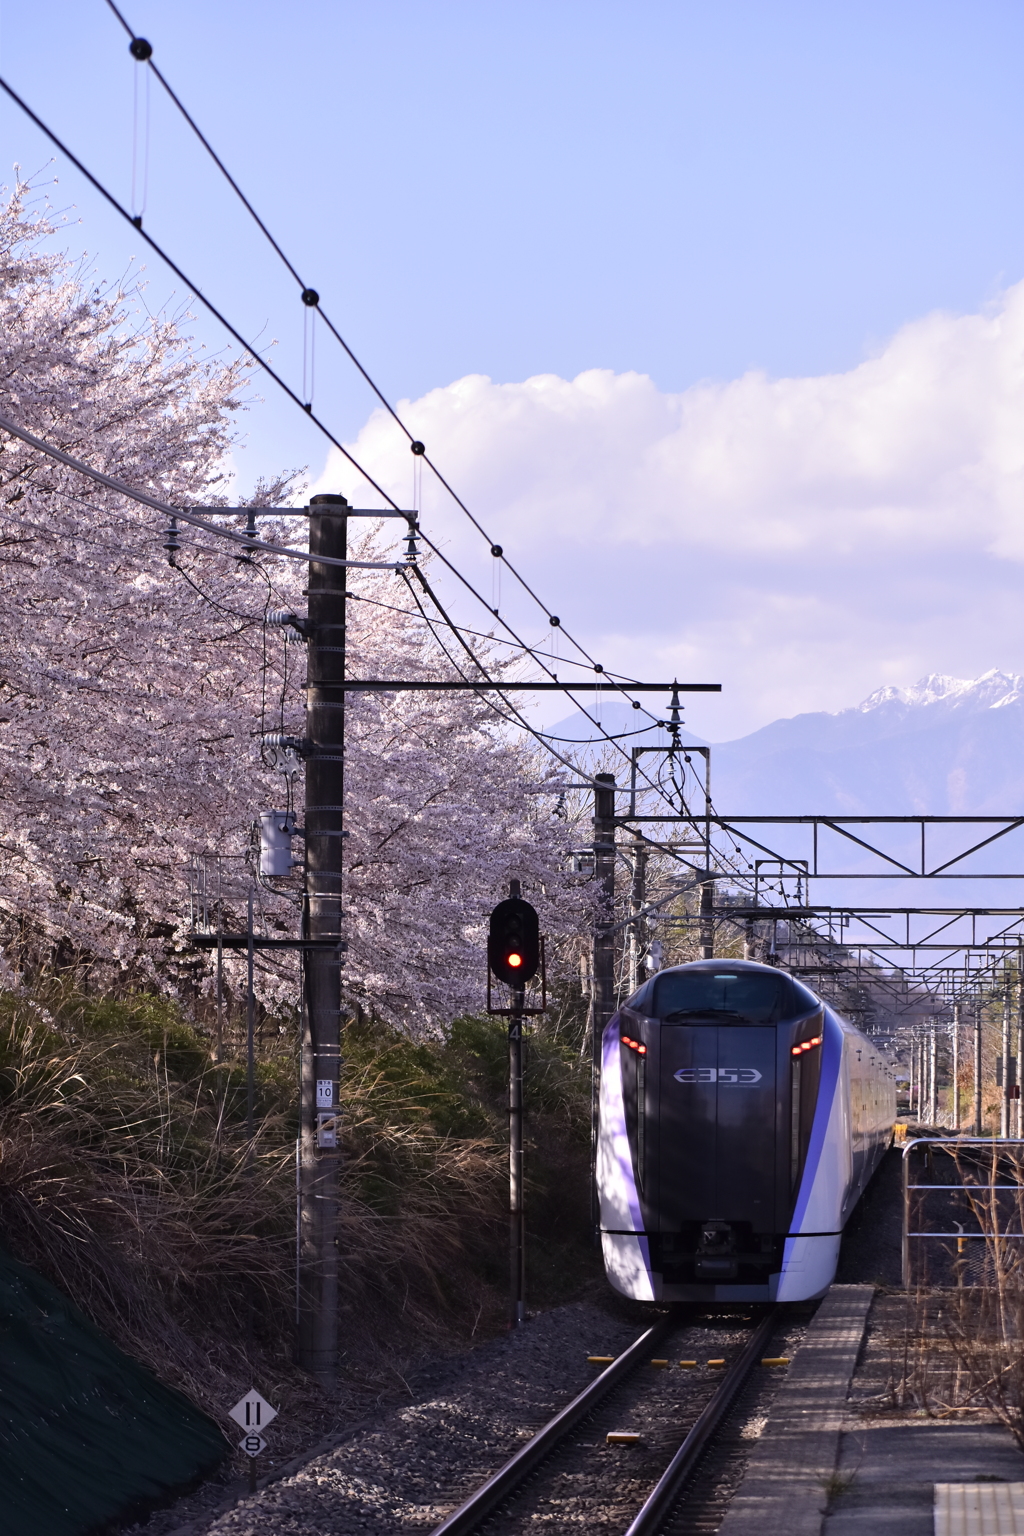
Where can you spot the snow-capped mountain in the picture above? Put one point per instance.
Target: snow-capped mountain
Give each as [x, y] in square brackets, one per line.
[942, 746]
[992, 690]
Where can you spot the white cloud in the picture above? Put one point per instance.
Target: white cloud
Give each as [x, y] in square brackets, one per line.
[800, 540]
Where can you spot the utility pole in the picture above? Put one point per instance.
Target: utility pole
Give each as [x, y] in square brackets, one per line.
[603, 984]
[707, 916]
[979, 1118]
[637, 901]
[1020, 1038]
[955, 1122]
[933, 1075]
[1006, 1098]
[322, 919]
[917, 1077]
[250, 1031]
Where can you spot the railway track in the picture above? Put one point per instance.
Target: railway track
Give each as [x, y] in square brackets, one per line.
[555, 1465]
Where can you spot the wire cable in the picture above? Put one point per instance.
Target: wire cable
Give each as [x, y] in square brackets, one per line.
[155, 505]
[479, 634]
[254, 353]
[277, 550]
[143, 53]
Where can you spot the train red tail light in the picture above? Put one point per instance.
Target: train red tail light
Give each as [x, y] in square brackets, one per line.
[634, 1045]
[806, 1045]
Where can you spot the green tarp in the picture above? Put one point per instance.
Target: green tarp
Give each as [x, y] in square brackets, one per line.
[87, 1435]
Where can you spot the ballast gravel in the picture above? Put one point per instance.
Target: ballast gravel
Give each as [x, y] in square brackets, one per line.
[407, 1472]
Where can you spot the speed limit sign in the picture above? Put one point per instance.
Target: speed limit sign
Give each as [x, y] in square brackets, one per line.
[252, 1445]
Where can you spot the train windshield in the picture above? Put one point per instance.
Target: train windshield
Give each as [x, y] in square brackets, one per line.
[741, 997]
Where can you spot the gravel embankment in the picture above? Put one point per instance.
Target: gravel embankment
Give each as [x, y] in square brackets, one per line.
[406, 1473]
[408, 1467]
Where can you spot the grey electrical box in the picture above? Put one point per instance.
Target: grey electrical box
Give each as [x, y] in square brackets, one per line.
[327, 1129]
[277, 828]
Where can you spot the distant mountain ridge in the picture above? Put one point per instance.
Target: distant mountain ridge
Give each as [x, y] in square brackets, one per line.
[942, 746]
[992, 690]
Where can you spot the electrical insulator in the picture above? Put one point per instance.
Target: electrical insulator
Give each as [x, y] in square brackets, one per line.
[284, 618]
[300, 745]
[411, 552]
[245, 558]
[277, 828]
[172, 542]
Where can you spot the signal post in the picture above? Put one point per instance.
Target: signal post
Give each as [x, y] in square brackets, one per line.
[514, 955]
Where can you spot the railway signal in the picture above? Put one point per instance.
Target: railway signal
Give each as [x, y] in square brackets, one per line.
[513, 942]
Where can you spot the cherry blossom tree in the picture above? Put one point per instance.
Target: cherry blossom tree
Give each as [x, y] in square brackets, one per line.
[134, 696]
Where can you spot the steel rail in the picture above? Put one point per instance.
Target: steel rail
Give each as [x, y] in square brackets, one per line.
[669, 1485]
[478, 1506]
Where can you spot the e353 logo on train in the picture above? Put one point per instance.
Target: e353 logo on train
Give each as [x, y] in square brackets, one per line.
[717, 1075]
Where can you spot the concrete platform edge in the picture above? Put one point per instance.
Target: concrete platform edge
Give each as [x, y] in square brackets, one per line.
[785, 1490]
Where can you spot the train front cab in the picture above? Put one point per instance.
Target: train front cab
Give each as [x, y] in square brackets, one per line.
[727, 1162]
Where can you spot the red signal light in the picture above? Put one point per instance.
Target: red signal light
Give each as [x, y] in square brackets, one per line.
[513, 942]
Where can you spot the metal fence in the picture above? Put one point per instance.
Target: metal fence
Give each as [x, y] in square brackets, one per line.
[963, 1211]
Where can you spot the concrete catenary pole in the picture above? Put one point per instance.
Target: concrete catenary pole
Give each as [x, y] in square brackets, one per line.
[603, 984]
[707, 917]
[321, 1046]
[955, 1107]
[637, 901]
[1006, 1097]
[1019, 1123]
[979, 1113]
[933, 1094]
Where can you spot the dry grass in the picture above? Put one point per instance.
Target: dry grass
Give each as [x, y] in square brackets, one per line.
[126, 1178]
[961, 1347]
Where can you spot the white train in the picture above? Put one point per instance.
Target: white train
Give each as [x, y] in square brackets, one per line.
[740, 1119]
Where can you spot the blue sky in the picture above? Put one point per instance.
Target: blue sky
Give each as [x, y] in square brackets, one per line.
[683, 191]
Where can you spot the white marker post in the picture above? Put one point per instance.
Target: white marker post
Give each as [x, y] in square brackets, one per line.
[253, 1413]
